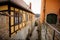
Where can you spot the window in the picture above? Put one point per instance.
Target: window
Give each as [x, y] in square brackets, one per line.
[16, 18]
[20, 18]
[12, 18]
[30, 16]
[26, 17]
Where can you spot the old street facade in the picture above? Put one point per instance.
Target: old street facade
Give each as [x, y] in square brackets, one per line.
[15, 16]
[18, 22]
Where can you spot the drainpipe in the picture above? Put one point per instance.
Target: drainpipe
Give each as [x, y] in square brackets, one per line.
[45, 19]
[44, 10]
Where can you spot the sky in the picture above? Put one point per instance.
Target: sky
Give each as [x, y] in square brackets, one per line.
[36, 5]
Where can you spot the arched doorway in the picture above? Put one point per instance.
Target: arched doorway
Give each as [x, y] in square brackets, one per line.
[51, 18]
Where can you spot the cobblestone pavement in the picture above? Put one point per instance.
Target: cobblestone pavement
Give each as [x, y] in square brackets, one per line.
[34, 34]
[43, 32]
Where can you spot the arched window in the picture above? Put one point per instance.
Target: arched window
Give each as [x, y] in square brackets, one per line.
[51, 18]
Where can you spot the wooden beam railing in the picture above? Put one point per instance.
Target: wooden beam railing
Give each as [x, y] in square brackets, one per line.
[52, 32]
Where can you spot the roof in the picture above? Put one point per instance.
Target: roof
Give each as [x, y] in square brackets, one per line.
[19, 3]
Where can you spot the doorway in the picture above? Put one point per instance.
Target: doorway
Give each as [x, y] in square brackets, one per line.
[51, 18]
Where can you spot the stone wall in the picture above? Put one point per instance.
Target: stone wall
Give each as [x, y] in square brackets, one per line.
[4, 26]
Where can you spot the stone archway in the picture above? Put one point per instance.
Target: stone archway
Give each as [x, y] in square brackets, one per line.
[51, 18]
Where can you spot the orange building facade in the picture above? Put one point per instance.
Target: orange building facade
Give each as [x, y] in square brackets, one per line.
[50, 7]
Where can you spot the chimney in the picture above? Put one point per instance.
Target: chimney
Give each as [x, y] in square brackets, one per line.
[30, 5]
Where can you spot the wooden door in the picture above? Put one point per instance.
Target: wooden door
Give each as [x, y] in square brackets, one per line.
[52, 18]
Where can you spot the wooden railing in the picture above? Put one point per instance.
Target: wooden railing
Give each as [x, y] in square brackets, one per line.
[52, 31]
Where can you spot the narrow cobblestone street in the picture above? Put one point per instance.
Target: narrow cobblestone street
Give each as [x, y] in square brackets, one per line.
[34, 34]
[43, 32]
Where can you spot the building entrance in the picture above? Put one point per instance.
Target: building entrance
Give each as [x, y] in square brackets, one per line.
[52, 18]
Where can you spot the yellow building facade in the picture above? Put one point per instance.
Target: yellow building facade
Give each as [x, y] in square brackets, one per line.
[14, 16]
